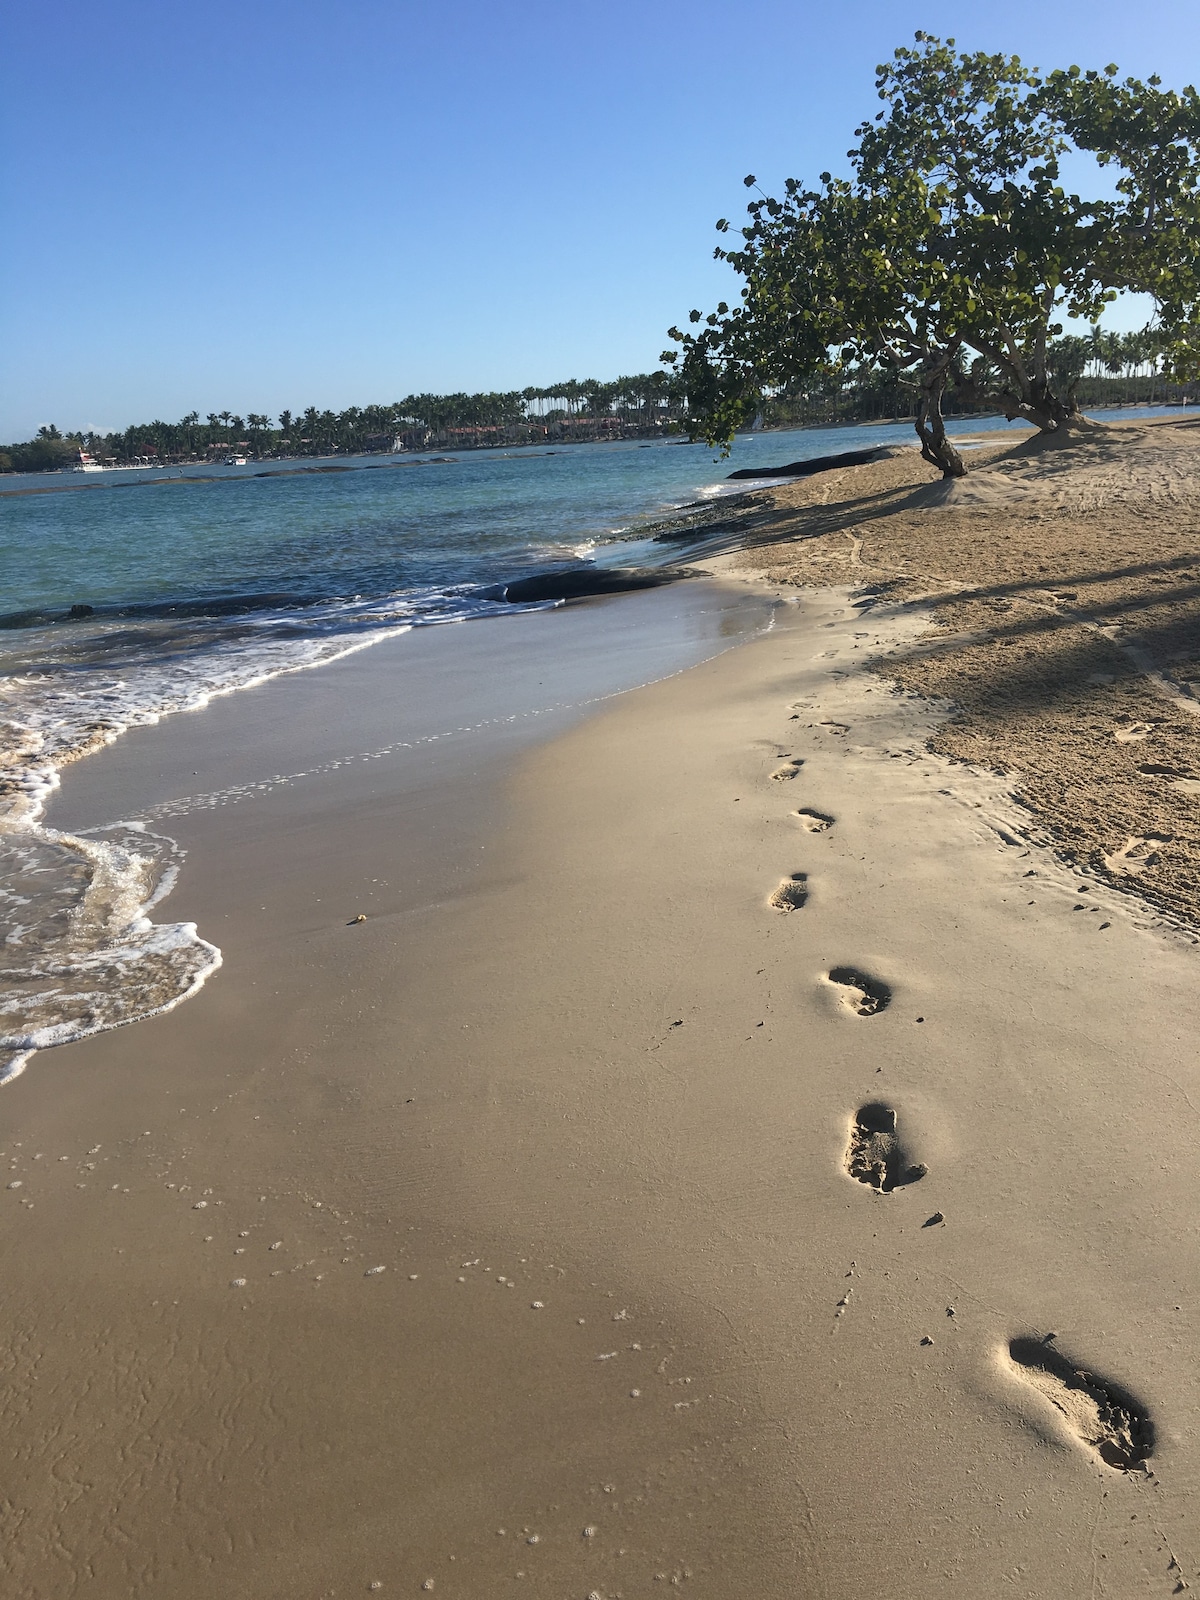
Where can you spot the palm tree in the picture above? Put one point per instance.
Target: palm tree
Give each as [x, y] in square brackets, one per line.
[257, 424]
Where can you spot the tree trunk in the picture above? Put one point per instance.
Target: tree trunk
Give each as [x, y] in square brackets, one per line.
[1037, 403]
[1026, 395]
[931, 430]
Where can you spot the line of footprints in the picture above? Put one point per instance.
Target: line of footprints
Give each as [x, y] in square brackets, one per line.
[1101, 1413]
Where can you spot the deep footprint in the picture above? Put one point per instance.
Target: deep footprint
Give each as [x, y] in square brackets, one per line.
[814, 821]
[1101, 1413]
[791, 893]
[863, 995]
[782, 774]
[877, 1155]
[1137, 853]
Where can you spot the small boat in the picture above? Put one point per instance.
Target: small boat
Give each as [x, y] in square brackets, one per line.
[237, 461]
[86, 463]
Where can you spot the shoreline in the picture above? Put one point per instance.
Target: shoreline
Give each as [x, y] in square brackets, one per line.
[382, 460]
[957, 423]
[87, 676]
[588, 1093]
[108, 808]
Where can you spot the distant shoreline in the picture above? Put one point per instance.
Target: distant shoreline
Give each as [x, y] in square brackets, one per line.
[366, 461]
[289, 466]
[369, 459]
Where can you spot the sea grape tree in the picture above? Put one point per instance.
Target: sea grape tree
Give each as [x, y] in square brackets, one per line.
[1151, 136]
[953, 251]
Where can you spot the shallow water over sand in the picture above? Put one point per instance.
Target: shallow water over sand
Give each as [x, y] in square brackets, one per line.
[149, 594]
[83, 952]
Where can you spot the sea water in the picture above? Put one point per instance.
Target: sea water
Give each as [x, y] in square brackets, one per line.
[132, 595]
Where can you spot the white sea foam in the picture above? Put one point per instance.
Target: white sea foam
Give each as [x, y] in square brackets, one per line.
[79, 953]
[85, 955]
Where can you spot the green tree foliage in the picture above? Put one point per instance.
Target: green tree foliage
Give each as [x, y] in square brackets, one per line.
[1103, 368]
[1151, 136]
[577, 409]
[950, 255]
[45, 453]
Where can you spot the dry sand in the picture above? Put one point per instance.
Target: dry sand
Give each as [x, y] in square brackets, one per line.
[1066, 632]
[736, 1119]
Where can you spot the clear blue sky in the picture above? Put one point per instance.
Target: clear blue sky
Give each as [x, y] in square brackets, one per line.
[269, 205]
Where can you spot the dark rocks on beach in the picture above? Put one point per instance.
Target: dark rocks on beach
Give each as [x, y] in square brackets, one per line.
[78, 611]
[575, 584]
[805, 469]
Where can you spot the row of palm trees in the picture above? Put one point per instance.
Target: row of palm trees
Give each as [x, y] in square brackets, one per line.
[1105, 368]
[577, 408]
[1101, 367]
[1110, 368]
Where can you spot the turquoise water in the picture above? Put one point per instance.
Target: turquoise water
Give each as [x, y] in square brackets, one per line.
[195, 582]
[377, 527]
[213, 541]
[200, 583]
[397, 535]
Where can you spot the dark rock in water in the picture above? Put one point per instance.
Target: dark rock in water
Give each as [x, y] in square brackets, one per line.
[805, 469]
[575, 584]
[81, 611]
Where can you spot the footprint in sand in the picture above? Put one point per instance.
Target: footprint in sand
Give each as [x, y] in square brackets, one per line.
[1180, 780]
[1133, 732]
[813, 821]
[788, 770]
[791, 893]
[837, 728]
[877, 1155]
[1102, 1414]
[858, 993]
[1136, 854]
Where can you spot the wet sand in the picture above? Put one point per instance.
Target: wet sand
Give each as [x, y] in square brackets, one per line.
[611, 1085]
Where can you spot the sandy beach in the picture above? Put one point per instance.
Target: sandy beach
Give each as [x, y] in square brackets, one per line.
[749, 1146]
